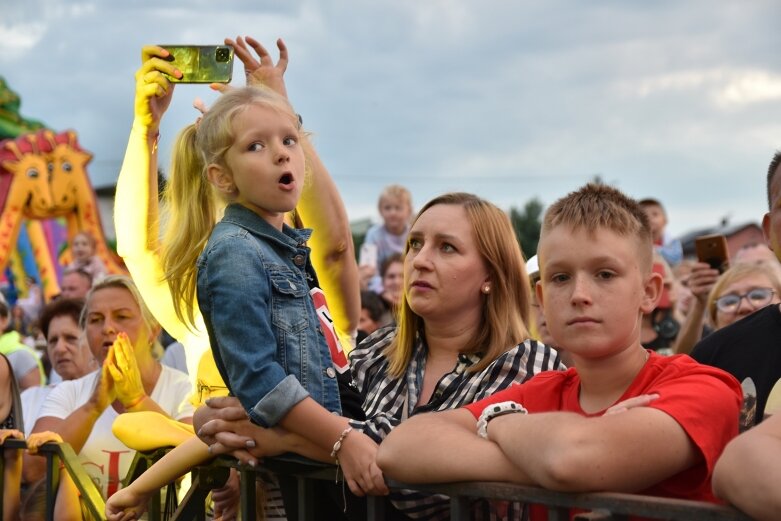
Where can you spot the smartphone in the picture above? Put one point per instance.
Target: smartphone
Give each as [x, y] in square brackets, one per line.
[201, 63]
[368, 255]
[712, 249]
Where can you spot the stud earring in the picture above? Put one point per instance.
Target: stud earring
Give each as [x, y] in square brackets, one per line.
[487, 289]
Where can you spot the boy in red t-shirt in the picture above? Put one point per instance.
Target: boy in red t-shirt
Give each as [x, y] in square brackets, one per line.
[624, 419]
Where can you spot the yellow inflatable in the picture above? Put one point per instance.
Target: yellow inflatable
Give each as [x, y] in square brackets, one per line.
[43, 175]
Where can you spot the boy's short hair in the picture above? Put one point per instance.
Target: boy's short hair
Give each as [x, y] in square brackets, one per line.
[396, 192]
[596, 206]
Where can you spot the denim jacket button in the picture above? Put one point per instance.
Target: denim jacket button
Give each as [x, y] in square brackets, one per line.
[331, 372]
[299, 260]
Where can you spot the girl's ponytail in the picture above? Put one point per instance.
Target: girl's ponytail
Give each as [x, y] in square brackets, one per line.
[192, 213]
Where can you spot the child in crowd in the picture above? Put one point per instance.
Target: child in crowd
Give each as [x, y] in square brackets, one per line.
[383, 240]
[624, 418]
[83, 247]
[669, 248]
[268, 343]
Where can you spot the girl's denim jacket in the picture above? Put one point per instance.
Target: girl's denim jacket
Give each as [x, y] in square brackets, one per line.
[253, 291]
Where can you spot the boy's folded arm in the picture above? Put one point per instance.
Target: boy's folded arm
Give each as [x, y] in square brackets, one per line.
[444, 447]
[626, 452]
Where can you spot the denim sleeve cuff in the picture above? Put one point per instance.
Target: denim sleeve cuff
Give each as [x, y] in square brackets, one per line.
[278, 402]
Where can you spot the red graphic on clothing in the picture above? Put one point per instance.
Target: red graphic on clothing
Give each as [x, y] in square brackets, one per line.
[114, 480]
[327, 324]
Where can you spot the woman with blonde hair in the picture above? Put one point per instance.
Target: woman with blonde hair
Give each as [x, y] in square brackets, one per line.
[121, 333]
[741, 290]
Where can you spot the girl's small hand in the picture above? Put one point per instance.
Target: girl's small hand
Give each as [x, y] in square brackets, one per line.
[123, 367]
[261, 70]
[153, 89]
[358, 459]
[126, 504]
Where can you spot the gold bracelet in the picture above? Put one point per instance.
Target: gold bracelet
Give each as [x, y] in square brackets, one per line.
[138, 401]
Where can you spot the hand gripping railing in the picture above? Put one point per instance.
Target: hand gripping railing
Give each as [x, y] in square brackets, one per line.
[604, 505]
[57, 454]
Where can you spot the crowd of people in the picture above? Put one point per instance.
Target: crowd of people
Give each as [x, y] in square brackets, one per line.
[435, 353]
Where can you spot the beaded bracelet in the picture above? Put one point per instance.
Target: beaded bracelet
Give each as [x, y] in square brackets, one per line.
[338, 444]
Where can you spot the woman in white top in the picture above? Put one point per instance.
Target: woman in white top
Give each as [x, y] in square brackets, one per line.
[121, 333]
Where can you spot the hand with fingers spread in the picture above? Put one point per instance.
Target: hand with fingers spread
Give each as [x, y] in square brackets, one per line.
[153, 89]
[261, 70]
[123, 366]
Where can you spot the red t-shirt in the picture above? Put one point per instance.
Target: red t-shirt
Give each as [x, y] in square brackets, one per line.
[704, 400]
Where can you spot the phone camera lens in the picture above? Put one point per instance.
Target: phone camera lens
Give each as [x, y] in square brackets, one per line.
[222, 54]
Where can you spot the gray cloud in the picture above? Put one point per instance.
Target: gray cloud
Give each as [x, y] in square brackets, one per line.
[507, 99]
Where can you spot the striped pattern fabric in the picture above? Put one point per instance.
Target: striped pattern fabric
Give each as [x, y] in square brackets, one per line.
[385, 399]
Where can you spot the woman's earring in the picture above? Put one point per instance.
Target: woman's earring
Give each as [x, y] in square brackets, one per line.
[487, 289]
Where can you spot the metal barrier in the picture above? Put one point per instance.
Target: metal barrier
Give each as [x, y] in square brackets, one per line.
[604, 506]
[61, 455]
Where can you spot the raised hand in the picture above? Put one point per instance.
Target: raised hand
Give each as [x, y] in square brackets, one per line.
[261, 70]
[123, 367]
[153, 90]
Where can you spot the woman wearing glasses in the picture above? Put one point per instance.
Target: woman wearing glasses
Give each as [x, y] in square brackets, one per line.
[742, 290]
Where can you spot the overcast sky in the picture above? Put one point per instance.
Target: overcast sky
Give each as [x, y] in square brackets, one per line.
[508, 99]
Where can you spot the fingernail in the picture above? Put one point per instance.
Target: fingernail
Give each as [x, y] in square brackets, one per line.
[252, 463]
[251, 444]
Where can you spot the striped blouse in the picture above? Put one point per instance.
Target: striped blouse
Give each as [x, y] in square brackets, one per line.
[385, 398]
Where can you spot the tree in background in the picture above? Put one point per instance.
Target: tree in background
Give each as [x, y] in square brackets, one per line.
[527, 224]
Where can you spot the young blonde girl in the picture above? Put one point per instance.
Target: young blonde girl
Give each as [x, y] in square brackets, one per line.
[252, 275]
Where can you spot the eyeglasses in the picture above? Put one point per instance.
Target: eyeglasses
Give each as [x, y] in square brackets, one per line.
[756, 298]
[207, 391]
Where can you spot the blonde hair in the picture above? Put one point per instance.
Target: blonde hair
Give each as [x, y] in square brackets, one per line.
[396, 192]
[193, 204]
[738, 272]
[598, 206]
[505, 312]
[121, 282]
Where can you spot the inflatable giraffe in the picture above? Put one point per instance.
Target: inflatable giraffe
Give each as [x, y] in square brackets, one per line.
[24, 189]
[72, 194]
[43, 176]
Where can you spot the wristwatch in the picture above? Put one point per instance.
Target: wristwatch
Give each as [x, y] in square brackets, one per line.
[495, 410]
